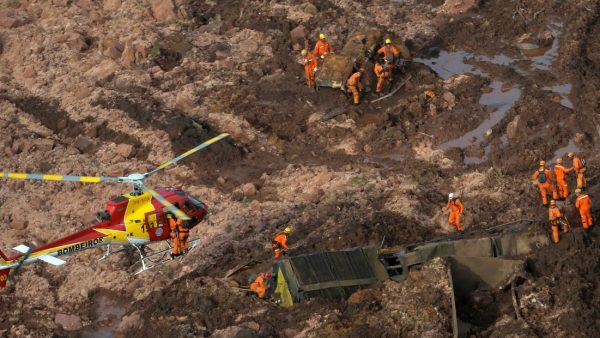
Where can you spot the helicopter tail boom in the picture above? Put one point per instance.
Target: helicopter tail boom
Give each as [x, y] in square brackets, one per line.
[3, 272]
[4, 277]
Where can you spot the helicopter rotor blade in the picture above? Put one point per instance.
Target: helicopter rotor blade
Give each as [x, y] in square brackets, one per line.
[176, 211]
[53, 177]
[187, 153]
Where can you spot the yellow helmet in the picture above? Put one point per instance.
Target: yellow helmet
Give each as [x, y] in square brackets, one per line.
[577, 192]
[288, 230]
[303, 52]
[169, 215]
[388, 41]
[542, 163]
[322, 36]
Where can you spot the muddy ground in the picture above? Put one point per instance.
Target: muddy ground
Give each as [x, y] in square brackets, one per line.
[113, 87]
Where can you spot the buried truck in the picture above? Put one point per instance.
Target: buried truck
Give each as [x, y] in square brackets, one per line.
[485, 263]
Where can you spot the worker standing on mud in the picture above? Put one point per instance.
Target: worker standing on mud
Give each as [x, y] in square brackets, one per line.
[579, 168]
[557, 220]
[354, 85]
[584, 205]
[310, 65]
[382, 72]
[180, 233]
[322, 47]
[389, 52]
[456, 209]
[561, 180]
[174, 226]
[543, 178]
[280, 243]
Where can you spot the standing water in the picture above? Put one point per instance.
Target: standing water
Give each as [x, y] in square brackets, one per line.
[497, 98]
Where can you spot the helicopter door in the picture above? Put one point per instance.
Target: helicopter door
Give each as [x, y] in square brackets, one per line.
[156, 227]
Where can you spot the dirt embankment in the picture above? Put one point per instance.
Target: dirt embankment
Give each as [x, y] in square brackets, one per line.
[114, 87]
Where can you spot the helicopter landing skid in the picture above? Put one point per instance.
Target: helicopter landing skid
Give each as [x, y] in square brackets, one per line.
[162, 255]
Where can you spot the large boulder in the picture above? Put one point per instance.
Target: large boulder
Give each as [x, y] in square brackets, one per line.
[111, 47]
[68, 322]
[163, 10]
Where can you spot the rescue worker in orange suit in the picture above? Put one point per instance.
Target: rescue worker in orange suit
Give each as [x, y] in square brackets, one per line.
[179, 234]
[389, 52]
[556, 219]
[579, 168]
[584, 205]
[561, 180]
[261, 285]
[456, 209]
[544, 182]
[280, 242]
[382, 72]
[354, 85]
[310, 65]
[322, 47]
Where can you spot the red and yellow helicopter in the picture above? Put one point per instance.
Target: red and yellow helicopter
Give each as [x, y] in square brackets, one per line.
[133, 219]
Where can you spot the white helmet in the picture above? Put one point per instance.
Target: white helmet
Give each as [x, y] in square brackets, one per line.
[450, 195]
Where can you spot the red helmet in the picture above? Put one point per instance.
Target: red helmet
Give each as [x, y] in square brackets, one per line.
[267, 275]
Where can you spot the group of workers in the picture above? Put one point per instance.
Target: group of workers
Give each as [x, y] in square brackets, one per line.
[312, 60]
[387, 57]
[264, 284]
[554, 182]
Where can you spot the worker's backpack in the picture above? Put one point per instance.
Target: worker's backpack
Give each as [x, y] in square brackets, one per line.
[542, 176]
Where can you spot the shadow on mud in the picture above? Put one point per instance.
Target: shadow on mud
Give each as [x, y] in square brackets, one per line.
[184, 134]
[50, 115]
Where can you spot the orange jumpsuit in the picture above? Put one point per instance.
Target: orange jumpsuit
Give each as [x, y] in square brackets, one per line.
[382, 76]
[457, 209]
[554, 216]
[310, 63]
[322, 47]
[390, 53]
[579, 167]
[545, 187]
[584, 204]
[561, 180]
[259, 286]
[279, 244]
[180, 235]
[355, 86]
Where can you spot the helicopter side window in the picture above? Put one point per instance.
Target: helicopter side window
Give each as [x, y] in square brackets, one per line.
[196, 203]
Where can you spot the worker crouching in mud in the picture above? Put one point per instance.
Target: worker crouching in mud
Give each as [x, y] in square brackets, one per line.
[263, 285]
[354, 85]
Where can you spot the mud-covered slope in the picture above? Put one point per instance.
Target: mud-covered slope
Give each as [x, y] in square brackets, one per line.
[114, 87]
